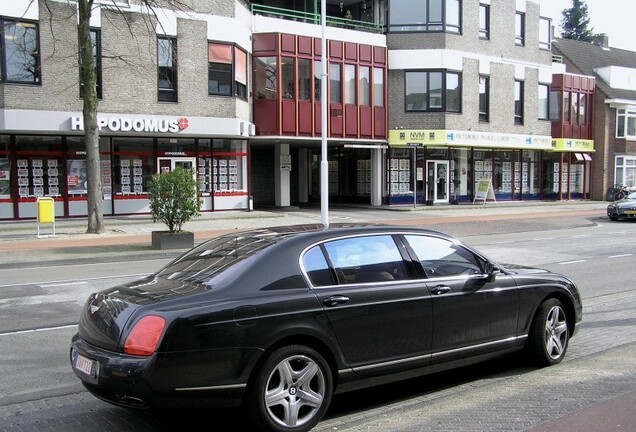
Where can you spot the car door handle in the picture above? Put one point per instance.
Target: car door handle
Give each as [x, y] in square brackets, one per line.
[441, 289]
[335, 300]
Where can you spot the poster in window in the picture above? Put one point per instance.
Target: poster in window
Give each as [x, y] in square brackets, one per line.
[487, 165]
[23, 191]
[54, 190]
[51, 163]
[125, 180]
[233, 162]
[108, 192]
[38, 172]
[479, 165]
[23, 163]
[222, 162]
[76, 178]
[23, 181]
[233, 186]
[23, 172]
[125, 189]
[125, 163]
[138, 180]
[507, 166]
[139, 188]
[36, 163]
[137, 162]
[38, 191]
[5, 179]
[125, 171]
[52, 172]
[53, 181]
[137, 171]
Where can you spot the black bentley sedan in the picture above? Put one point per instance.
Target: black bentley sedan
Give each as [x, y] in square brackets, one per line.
[278, 320]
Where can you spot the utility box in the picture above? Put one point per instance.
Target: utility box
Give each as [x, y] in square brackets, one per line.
[46, 214]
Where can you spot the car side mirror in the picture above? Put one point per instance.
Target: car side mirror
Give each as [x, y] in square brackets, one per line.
[490, 271]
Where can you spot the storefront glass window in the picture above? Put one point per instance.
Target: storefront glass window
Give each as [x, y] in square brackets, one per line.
[132, 165]
[529, 173]
[39, 166]
[459, 171]
[228, 165]
[482, 164]
[317, 80]
[5, 168]
[502, 175]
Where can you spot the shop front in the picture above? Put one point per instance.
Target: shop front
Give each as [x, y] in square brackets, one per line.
[43, 155]
[445, 166]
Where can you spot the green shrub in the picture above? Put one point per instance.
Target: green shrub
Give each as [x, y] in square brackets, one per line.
[174, 198]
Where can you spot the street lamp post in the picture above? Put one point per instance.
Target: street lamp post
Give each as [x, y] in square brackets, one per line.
[324, 166]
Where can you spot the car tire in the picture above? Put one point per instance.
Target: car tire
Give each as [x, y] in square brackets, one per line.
[549, 334]
[614, 218]
[291, 391]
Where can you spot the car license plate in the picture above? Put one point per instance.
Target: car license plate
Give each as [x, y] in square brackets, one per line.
[630, 212]
[85, 365]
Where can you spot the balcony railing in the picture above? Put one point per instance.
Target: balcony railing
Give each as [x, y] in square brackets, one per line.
[314, 18]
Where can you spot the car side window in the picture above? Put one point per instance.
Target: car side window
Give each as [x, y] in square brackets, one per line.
[366, 259]
[440, 257]
[317, 267]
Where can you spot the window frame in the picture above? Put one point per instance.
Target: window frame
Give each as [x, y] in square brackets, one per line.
[97, 57]
[443, 87]
[484, 27]
[628, 116]
[429, 25]
[37, 72]
[518, 102]
[520, 28]
[163, 93]
[543, 43]
[484, 99]
[546, 104]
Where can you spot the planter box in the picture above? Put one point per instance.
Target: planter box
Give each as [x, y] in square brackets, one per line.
[168, 240]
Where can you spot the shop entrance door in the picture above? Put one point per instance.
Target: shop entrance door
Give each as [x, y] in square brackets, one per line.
[437, 181]
[167, 164]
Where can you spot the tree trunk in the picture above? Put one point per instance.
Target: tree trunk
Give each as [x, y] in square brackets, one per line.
[91, 132]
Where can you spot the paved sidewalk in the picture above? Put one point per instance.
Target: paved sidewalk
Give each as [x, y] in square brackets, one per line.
[132, 234]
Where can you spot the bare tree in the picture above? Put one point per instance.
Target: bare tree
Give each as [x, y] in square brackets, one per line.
[90, 100]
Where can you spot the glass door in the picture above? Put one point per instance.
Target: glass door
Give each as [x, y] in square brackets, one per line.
[167, 164]
[437, 179]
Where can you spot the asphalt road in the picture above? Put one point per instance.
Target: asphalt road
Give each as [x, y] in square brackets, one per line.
[590, 391]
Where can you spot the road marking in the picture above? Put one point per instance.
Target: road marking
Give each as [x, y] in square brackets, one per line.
[543, 238]
[55, 284]
[571, 262]
[620, 256]
[77, 281]
[13, 333]
[582, 235]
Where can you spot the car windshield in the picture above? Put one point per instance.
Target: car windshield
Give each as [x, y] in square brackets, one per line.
[631, 196]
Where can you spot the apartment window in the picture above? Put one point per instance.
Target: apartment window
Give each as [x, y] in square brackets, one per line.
[484, 21]
[364, 86]
[304, 79]
[167, 69]
[20, 52]
[520, 28]
[96, 42]
[265, 77]
[625, 171]
[334, 83]
[582, 111]
[287, 77]
[425, 16]
[350, 84]
[544, 102]
[219, 69]
[378, 87]
[317, 80]
[432, 91]
[519, 102]
[240, 73]
[566, 107]
[545, 33]
[484, 99]
[626, 123]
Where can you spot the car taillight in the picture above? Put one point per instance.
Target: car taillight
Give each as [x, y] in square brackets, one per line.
[144, 337]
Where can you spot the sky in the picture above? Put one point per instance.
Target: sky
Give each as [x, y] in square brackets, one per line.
[612, 17]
